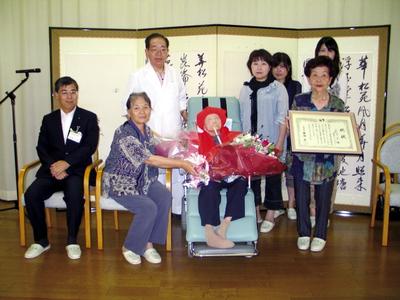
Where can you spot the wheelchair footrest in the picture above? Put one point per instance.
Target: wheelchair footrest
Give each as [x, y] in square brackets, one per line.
[247, 249]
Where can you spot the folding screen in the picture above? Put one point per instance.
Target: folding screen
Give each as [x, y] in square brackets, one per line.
[212, 62]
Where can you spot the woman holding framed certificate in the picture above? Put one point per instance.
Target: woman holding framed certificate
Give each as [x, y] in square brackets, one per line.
[309, 168]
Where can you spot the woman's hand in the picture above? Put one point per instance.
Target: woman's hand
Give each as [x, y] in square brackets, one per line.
[278, 152]
[287, 125]
[189, 167]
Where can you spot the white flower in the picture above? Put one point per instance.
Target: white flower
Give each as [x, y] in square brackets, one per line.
[261, 146]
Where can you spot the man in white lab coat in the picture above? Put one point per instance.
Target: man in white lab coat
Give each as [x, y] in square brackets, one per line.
[164, 85]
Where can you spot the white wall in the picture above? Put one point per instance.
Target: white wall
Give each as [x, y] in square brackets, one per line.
[24, 36]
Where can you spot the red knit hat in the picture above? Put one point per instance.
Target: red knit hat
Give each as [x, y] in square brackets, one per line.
[201, 116]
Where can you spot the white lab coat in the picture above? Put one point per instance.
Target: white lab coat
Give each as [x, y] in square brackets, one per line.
[167, 99]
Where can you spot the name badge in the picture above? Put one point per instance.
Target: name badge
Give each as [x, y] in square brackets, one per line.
[75, 136]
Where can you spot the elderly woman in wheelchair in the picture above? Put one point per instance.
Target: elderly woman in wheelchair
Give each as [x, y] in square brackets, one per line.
[210, 120]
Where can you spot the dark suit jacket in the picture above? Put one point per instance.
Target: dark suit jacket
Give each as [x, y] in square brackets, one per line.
[51, 147]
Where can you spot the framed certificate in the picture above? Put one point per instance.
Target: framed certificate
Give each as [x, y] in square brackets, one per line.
[324, 132]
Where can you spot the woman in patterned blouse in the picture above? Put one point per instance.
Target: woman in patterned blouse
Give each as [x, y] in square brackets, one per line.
[130, 178]
[311, 168]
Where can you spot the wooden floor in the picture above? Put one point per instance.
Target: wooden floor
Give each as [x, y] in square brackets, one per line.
[353, 266]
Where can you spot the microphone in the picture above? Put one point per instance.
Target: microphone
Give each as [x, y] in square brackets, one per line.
[37, 70]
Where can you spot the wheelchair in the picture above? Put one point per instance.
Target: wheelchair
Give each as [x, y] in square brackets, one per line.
[243, 232]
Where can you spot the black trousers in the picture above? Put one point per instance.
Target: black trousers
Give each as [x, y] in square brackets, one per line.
[210, 199]
[40, 190]
[273, 192]
[322, 195]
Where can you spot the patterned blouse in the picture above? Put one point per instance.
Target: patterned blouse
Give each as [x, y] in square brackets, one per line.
[315, 168]
[125, 172]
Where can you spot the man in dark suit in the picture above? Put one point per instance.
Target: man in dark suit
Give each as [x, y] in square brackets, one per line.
[68, 137]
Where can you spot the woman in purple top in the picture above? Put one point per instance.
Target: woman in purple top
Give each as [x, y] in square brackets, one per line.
[130, 178]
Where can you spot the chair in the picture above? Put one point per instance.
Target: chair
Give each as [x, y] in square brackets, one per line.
[104, 203]
[393, 126]
[243, 231]
[55, 201]
[230, 104]
[387, 160]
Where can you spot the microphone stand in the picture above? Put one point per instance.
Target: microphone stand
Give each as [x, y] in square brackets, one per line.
[12, 97]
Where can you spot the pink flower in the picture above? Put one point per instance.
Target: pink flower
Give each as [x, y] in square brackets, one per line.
[202, 169]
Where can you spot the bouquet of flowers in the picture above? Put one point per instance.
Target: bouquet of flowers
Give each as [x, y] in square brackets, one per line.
[261, 146]
[186, 147]
[182, 147]
[246, 155]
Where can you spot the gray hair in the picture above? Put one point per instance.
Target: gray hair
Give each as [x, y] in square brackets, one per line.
[133, 96]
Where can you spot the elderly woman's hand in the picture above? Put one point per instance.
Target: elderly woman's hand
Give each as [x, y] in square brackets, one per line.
[189, 167]
[287, 122]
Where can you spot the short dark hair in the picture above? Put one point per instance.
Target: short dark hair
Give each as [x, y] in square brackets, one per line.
[260, 54]
[154, 36]
[132, 97]
[66, 80]
[331, 44]
[284, 59]
[319, 61]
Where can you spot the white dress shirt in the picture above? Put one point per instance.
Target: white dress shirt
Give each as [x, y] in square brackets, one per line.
[168, 98]
[66, 120]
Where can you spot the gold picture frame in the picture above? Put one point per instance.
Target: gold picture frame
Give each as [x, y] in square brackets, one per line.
[324, 132]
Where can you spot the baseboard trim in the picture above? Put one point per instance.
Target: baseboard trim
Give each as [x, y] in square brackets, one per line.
[342, 207]
[8, 195]
[352, 208]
